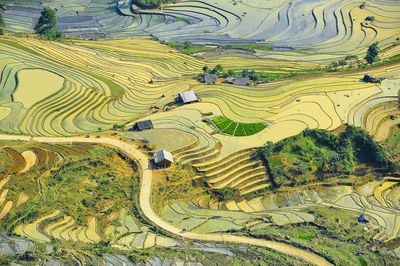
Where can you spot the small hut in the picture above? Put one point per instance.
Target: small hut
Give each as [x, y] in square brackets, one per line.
[372, 79]
[210, 78]
[163, 158]
[241, 81]
[142, 125]
[188, 97]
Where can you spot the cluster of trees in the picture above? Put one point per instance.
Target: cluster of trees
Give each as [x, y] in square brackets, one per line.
[335, 154]
[152, 3]
[371, 57]
[47, 24]
[250, 73]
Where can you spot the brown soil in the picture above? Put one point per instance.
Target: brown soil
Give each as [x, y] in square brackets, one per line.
[18, 161]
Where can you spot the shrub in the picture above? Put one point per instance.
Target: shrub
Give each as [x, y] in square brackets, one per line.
[370, 18]
[351, 57]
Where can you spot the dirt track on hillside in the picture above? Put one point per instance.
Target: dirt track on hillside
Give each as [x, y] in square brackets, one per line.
[145, 192]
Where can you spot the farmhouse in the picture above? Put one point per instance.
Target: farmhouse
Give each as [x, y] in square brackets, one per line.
[210, 78]
[188, 97]
[241, 81]
[372, 79]
[163, 158]
[142, 125]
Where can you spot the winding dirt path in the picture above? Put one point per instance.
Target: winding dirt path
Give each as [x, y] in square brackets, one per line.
[145, 192]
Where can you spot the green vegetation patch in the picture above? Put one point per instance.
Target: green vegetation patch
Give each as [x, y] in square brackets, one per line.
[230, 130]
[335, 234]
[237, 129]
[392, 143]
[315, 155]
[116, 90]
[89, 180]
[249, 47]
[151, 3]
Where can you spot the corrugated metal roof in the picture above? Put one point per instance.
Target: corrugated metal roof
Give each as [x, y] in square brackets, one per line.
[163, 155]
[210, 78]
[241, 81]
[188, 96]
[145, 124]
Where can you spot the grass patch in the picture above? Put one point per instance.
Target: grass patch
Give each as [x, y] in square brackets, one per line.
[181, 19]
[240, 130]
[250, 130]
[249, 47]
[230, 129]
[222, 126]
[237, 129]
[116, 90]
[20, 46]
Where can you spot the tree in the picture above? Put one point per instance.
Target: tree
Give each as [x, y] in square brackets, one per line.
[342, 63]
[205, 69]
[2, 24]
[217, 69]
[372, 53]
[187, 45]
[47, 24]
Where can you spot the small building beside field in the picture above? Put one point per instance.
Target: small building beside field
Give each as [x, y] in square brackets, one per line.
[188, 97]
[241, 81]
[142, 125]
[372, 79]
[210, 78]
[163, 158]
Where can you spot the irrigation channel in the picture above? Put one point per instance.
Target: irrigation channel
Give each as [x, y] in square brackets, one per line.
[145, 192]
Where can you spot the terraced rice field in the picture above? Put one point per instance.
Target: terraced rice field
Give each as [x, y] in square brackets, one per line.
[92, 86]
[237, 129]
[127, 235]
[377, 200]
[324, 30]
[32, 89]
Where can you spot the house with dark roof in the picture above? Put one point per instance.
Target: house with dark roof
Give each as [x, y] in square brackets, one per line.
[188, 97]
[372, 79]
[163, 158]
[241, 81]
[142, 125]
[210, 78]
